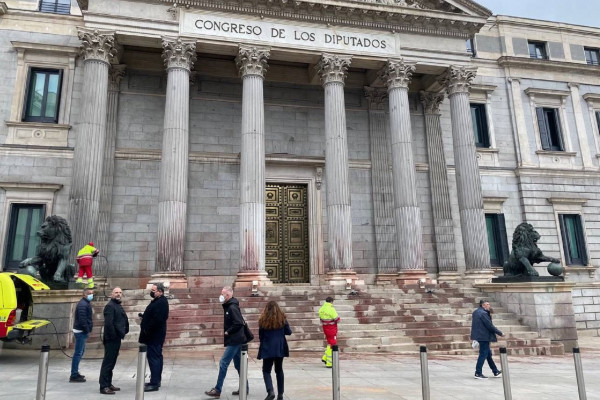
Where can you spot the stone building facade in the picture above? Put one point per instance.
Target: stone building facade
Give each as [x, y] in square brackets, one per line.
[300, 142]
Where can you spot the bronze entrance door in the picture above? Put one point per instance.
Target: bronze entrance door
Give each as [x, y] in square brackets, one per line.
[287, 233]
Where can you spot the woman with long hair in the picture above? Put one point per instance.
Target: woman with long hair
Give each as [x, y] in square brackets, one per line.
[272, 329]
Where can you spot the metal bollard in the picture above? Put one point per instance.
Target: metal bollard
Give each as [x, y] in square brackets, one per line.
[505, 374]
[141, 373]
[244, 373]
[335, 372]
[579, 374]
[424, 373]
[42, 373]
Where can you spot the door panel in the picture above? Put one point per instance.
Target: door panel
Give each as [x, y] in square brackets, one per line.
[287, 233]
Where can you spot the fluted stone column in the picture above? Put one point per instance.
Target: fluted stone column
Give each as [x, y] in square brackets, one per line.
[179, 57]
[252, 64]
[381, 184]
[333, 69]
[115, 74]
[438, 181]
[407, 215]
[470, 200]
[97, 49]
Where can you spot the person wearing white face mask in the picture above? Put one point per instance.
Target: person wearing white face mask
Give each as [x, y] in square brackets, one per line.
[82, 327]
[234, 338]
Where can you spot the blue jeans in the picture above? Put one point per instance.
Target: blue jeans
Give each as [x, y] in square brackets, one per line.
[485, 353]
[231, 353]
[80, 339]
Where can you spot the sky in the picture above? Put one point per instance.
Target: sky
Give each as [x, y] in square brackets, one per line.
[579, 12]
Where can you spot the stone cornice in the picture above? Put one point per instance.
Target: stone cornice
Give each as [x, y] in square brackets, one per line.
[50, 48]
[566, 200]
[548, 65]
[592, 99]
[561, 27]
[483, 88]
[46, 187]
[547, 93]
[557, 173]
[356, 13]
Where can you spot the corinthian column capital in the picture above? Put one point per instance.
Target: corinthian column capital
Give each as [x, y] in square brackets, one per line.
[376, 97]
[333, 68]
[431, 101]
[178, 53]
[115, 74]
[457, 79]
[252, 60]
[397, 73]
[97, 44]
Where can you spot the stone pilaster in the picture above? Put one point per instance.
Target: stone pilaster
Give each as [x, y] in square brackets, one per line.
[332, 70]
[397, 75]
[179, 57]
[381, 183]
[457, 81]
[252, 64]
[438, 181]
[97, 49]
[115, 74]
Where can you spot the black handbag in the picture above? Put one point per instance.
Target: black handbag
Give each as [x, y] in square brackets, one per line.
[248, 333]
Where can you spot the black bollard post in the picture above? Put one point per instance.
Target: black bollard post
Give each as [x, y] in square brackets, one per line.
[424, 373]
[335, 372]
[141, 373]
[579, 374]
[505, 374]
[244, 373]
[43, 373]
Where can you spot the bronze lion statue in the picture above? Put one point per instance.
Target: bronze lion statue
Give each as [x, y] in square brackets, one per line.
[525, 252]
[52, 252]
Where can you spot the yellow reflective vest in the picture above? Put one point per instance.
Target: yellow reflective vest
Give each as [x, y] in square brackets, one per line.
[328, 315]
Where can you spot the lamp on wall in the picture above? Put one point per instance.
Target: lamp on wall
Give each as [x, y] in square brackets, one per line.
[348, 284]
[254, 288]
[421, 282]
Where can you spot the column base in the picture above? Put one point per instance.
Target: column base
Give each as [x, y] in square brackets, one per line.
[344, 277]
[412, 277]
[448, 277]
[171, 280]
[245, 279]
[386, 279]
[479, 276]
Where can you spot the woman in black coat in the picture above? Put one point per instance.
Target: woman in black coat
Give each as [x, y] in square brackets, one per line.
[272, 328]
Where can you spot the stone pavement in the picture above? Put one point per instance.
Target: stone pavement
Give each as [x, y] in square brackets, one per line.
[187, 374]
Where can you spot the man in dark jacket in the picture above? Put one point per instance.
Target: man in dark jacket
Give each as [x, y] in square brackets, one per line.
[116, 326]
[81, 330]
[484, 331]
[153, 333]
[234, 338]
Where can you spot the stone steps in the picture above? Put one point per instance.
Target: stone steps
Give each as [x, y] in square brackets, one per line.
[395, 320]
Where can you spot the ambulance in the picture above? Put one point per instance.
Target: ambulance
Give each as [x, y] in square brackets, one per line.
[16, 306]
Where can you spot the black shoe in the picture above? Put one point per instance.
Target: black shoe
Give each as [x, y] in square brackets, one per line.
[106, 390]
[498, 374]
[151, 388]
[236, 392]
[78, 374]
[270, 396]
[279, 397]
[213, 393]
[480, 376]
[77, 378]
[114, 388]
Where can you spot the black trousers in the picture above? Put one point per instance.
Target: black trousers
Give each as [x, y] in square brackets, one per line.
[266, 370]
[155, 362]
[111, 352]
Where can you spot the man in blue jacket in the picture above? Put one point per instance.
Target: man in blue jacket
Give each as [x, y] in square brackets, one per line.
[81, 330]
[484, 331]
[153, 331]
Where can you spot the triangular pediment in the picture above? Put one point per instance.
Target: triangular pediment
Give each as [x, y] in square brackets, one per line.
[466, 7]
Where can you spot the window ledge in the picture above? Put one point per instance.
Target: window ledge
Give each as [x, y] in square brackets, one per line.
[590, 269]
[556, 153]
[487, 150]
[37, 133]
[566, 200]
[31, 186]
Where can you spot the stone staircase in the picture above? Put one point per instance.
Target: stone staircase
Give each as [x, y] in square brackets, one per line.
[377, 319]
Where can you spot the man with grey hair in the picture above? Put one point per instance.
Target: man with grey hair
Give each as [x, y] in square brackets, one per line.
[82, 326]
[153, 330]
[234, 338]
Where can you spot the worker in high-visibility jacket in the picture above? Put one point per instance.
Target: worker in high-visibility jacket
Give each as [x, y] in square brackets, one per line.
[329, 320]
[85, 259]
